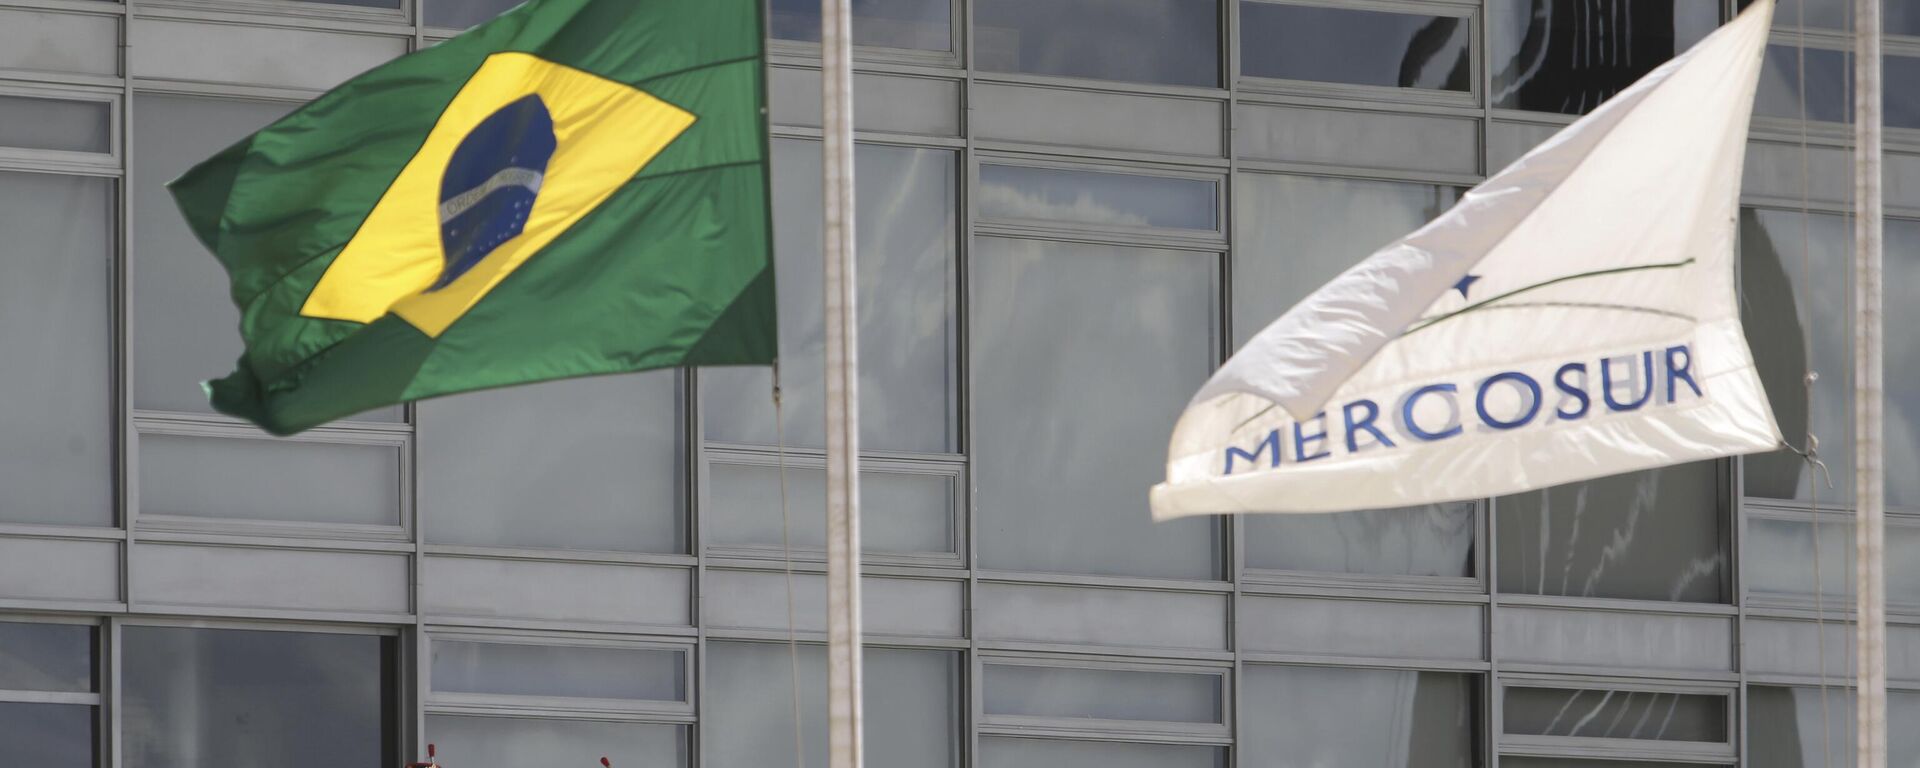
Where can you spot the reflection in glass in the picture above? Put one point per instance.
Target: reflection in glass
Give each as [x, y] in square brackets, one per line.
[1616, 714]
[204, 697]
[1172, 42]
[1083, 357]
[1088, 197]
[1567, 56]
[1100, 694]
[1652, 535]
[1324, 716]
[460, 14]
[497, 742]
[56, 428]
[1779, 557]
[1901, 362]
[512, 669]
[1339, 45]
[593, 464]
[1810, 728]
[291, 481]
[907, 240]
[1829, 75]
[1898, 17]
[57, 124]
[46, 735]
[922, 24]
[1433, 540]
[46, 657]
[901, 511]
[1775, 275]
[910, 702]
[1005, 752]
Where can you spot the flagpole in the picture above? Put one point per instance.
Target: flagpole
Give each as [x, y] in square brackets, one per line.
[843, 397]
[1870, 655]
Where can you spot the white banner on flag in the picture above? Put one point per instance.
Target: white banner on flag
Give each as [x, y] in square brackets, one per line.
[1573, 317]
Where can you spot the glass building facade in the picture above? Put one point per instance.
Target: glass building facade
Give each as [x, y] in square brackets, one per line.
[1069, 212]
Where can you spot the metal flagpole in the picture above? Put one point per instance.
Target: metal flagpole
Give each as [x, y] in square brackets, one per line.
[843, 397]
[1869, 481]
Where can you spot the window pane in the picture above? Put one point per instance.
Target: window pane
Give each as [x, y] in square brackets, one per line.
[901, 512]
[200, 697]
[922, 24]
[1829, 78]
[592, 463]
[1434, 540]
[71, 126]
[1616, 714]
[56, 423]
[46, 657]
[1337, 45]
[911, 701]
[185, 327]
[1176, 42]
[512, 669]
[1652, 535]
[1567, 56]
[1100, 694]
[1066, 337]
[1004, 752]
[46, 735]
[288, 481]
[906, 243]
[1299, 232]
[1779, 557]
[1901, 378]
[460, 14]
[1776, 275]
[1086, 197]
[1314, 716]
[1791, 728]
[498, 742]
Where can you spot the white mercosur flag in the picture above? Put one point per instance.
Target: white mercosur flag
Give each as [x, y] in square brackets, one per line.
[1573, 317]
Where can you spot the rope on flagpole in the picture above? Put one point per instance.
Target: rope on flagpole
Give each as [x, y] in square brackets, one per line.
[786, 564]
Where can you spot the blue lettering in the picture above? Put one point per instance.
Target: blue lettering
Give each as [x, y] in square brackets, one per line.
[1272, 442]
[1681, 372]
[1353, 426]
[1300, 440]
[1531, 408]
[1408, 425]
[1577, 392]
[1606, 383]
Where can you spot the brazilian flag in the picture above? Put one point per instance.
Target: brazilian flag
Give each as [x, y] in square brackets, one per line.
[577, 187]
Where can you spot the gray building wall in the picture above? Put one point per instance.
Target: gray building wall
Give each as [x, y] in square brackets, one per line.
[1070, 211]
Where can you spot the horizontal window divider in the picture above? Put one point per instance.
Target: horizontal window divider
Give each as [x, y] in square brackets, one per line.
[1088, 85]
[868, 568]
[1255, 165]
[1148, 731]
[1104, 582]
[271, 535]
[321, 18]
[1360, 662]
[68, 532]
[165, 87]
[769, 456]
[1838, 611]
[1820, 133]
[1614, 683]
[85, 7]
[17, 77]
[556, 625]
[62, 162]
[603, 557]
[1830, 207]
[1055, 161]
[885, 138]
[1618, 749]
[1114, 237]
[81, 608]
[866, 58]
[1254, 581]
[161, 614]
[465, 634]
[1037, 150]
[1589, 672]
[1502, 115]
[1798, 511]
[49, 697]
[1126, 731]
[1785, 34]
[809, 637]
[663, 718]
[1173, 655]
[1832, 604]
[1460, 8]
[1350, 93]
[737, 557]
[1617, 605]
[213, 425]
[99, 93]
[1839, 682]
[1219, 669]
[559, 706]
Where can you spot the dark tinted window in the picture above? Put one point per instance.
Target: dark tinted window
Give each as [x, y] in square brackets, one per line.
[1648, 715]
[1569, 55]
[923, 24]
[1652, 535]
[1336, 45]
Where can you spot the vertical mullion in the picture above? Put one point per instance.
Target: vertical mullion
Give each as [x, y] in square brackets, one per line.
[970, 699]
[1236, 524]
